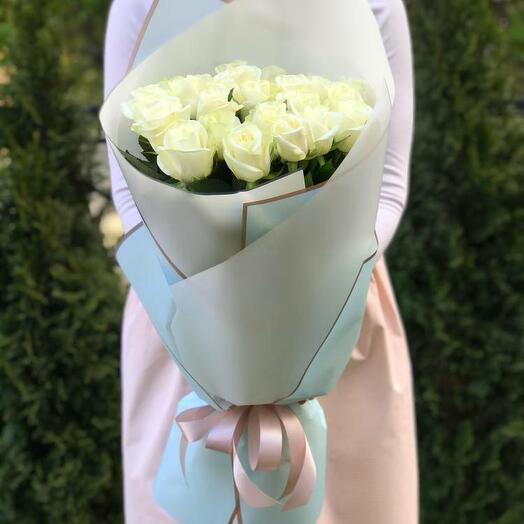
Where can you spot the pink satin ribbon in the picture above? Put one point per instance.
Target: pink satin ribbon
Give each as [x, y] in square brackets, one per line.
[266, 426]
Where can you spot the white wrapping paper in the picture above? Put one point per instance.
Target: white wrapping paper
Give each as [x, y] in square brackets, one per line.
[303, 270]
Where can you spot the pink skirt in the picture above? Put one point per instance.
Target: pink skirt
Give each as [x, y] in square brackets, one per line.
[372, 470]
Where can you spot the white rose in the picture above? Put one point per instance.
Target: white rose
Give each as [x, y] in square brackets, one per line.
[342, 92]
[266, 114]
[149, 92]
[322, 125]
[363, 88]
[181, 88]
[291, 138]
[320, 85]
[353, 117]
[218, 124]
[271, 72]
[247, 152]
[238, 72]
[292, 82]
[187, 89]
[185, 153]
[253, 92]
[301, 91]
[225, 83]
[200, 82]
[297, 101]
[229, 65]
[216, 98]
[153, 111]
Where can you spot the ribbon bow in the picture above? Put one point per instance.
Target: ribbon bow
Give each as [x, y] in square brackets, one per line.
[266, 426]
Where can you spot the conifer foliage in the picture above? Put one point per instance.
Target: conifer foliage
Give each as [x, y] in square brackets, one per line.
[60, 303]
[458, 266]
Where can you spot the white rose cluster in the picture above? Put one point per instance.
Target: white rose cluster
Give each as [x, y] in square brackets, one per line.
[248, 117]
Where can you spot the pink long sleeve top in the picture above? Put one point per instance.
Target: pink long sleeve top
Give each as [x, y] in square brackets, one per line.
[125, 21]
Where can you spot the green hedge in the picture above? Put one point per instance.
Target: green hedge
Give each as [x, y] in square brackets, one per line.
[61, 301]
[458, 267]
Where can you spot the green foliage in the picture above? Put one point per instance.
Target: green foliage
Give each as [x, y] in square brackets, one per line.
[458, 267]
[61, 301]
[222, 180]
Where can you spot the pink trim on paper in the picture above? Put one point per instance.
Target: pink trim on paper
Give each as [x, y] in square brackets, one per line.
[141, 34]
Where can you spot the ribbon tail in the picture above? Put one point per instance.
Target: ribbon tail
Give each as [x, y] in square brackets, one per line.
[248, 490]
[302, 470]
[182, 455]
[237, 511]
[264, 439]
[194, 423]
[305, 485]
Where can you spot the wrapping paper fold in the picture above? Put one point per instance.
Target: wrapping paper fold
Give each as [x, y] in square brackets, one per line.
[259, 297]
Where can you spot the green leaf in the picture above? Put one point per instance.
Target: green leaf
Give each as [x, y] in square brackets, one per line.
[146, 168]
[238, 185]
[209, 186]
[292, 167]
[308, 179]
[147, 151]
[324, 172]
[145, 144]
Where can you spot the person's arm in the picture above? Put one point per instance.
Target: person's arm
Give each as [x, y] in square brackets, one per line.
[126, 18]
[393, 22]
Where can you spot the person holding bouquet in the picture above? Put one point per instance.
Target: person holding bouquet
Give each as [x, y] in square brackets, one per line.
[372, 459]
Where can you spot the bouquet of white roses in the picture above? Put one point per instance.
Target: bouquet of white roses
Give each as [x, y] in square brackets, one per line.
[258, 192]
[245, 125]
